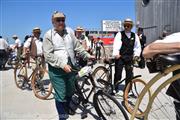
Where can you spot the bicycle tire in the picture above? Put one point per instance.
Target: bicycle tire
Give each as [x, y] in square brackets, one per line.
[150, 84]
[135, 86]
[101, 72]
[169, 110]
[119, 113]
[19, 75]
[41, 84]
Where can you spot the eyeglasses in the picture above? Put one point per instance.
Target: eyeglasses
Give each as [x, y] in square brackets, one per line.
[127, 26]
[37, 32]
[60, 20]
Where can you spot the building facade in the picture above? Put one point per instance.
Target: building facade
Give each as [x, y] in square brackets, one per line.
[156, 16]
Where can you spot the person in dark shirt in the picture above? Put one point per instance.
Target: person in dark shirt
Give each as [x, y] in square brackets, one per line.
[142, 39]
[98, 44]
[126, 46]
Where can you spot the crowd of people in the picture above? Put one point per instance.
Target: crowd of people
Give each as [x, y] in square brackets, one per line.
[61, 45]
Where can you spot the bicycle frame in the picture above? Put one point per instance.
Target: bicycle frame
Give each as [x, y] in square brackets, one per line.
[34, 71]
[24, 66]
[152, 82]
[109, 69]
[83, 99]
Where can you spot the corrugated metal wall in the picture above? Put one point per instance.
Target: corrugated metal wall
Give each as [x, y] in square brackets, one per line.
[158, 15]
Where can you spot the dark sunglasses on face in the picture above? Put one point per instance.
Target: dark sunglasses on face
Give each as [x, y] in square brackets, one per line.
[127, 26]
[37, 32]
[60, 20]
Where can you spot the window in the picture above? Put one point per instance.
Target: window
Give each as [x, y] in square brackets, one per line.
[145, 2]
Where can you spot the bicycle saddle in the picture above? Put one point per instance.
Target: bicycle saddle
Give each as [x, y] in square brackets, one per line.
[170, 59]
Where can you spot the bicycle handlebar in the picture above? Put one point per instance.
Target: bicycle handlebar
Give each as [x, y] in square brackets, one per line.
[111, 61]
[85, 70]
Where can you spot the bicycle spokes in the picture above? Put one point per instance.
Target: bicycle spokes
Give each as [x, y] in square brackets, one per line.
[109, 109]
[162, 107]
[41, 85]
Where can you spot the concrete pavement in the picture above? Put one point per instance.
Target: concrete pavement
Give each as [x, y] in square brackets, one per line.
[19, 104]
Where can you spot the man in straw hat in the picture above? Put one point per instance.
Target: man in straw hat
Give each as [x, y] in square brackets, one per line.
[59, 47]
[126, 46]
[33, 47]
[34, 44]
[80, 34]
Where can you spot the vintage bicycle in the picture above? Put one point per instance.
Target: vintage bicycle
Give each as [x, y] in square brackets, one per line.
[38, 78]
[104, 73]
[159, 106]
[106, 106]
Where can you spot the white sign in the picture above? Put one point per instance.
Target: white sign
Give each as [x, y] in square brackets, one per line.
[111, 25]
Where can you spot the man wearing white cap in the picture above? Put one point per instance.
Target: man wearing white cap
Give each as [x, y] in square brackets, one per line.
[126, 46]
[59, 47]
[17, 46]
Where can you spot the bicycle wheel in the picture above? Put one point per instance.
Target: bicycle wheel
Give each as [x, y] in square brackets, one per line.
[41, 84]
[161, 105]
[101, 72]
[131, 93]
[108, 108]
[20, 75]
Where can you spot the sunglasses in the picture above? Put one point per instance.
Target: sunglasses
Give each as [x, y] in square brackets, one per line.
[127, 26]
[60, 20]
[37, 32]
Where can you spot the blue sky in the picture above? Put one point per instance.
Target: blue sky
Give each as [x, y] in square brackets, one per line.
[21, 16]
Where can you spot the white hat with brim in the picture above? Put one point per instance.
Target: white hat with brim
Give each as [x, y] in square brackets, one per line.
[128, 21]
[36, 29]
[14, 36]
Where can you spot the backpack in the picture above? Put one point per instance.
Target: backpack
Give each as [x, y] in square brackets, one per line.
[33, 48]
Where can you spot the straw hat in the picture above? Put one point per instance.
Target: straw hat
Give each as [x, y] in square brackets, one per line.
[128, 21]
[80, 29]
[58, 14]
